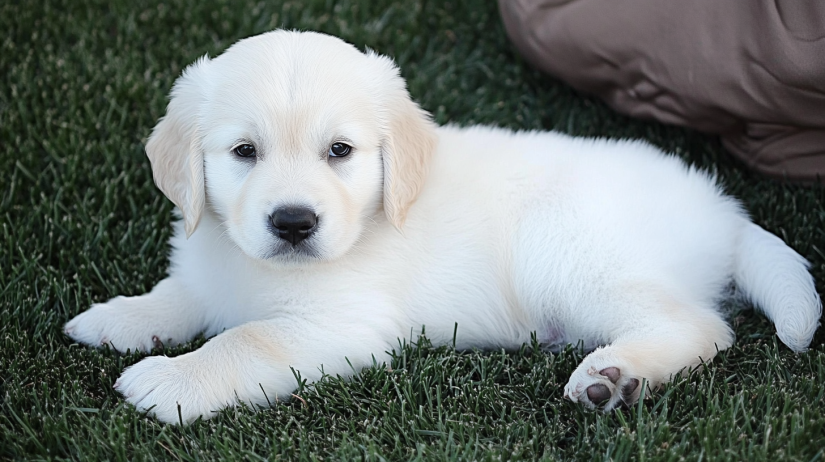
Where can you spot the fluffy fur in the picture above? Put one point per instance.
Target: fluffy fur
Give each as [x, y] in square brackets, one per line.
[609, 243]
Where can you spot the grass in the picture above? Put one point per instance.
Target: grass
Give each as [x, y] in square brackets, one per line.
[83, 83]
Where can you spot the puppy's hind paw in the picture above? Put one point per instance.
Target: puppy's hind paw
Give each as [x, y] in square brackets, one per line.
[607, 387]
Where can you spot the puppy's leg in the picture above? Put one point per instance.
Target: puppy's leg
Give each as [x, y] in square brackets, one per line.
[658, 346]
[167, 315]
[251, 363]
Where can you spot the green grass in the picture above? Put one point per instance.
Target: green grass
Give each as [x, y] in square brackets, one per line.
[83, 83]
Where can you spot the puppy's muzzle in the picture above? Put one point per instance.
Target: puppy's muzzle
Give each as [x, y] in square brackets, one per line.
[293, 224]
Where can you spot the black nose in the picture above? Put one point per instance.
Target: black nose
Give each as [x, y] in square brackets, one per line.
[293, 224]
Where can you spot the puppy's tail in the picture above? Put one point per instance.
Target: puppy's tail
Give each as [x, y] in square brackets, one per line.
[776, 280]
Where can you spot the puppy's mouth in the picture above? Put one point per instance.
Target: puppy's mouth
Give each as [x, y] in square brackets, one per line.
[285, 251]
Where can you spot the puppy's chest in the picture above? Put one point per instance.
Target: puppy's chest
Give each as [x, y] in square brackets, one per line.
[270, 294]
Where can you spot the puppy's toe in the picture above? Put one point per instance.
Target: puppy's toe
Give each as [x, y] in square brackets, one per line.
[611, 373]
[598, 393]
[630, 390]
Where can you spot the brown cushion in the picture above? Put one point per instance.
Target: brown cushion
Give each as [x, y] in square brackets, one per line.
[752, 71]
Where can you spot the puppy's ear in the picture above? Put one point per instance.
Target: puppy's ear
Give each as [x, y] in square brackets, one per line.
[174, 146]
[408, 146]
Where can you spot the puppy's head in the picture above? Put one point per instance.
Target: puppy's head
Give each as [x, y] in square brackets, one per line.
[294, 140]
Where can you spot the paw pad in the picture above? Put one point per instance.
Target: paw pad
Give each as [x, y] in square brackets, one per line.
[629, 388]
[612, 373]
[598, 393]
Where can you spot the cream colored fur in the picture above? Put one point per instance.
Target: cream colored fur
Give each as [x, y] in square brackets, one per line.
[609, 243]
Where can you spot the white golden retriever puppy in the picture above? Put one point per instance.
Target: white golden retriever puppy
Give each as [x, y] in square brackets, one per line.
[324, 216]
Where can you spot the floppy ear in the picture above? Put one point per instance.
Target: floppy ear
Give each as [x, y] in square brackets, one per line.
[408, 146]
[174, 147]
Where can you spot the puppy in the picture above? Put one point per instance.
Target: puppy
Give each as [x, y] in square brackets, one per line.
[324, 216]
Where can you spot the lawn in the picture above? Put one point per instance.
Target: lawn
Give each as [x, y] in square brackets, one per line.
[83, 83]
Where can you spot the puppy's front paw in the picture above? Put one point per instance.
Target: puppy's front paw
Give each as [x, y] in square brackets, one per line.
[599, 383]
[122, 324]
[171, 389]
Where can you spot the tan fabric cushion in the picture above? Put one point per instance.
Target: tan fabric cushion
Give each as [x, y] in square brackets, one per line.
[752, 71]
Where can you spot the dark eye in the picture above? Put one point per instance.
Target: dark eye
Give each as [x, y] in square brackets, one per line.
[339, 150]
[245, 150]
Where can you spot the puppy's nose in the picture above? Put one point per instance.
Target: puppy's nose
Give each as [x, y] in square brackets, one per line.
[293, 224]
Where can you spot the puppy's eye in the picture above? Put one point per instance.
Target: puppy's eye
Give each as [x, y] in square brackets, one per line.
[245, 150]
[339, 150]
